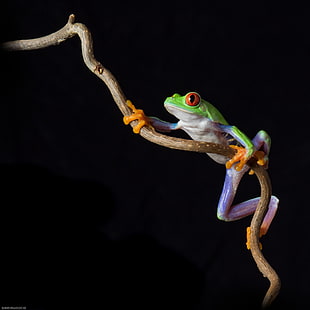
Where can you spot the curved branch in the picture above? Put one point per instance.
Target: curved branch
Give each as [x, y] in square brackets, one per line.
[71, 29]
[262, 263]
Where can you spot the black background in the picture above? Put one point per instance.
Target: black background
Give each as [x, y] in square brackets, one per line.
[93, 215]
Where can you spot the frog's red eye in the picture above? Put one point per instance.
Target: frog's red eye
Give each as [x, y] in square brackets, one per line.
[192, 99]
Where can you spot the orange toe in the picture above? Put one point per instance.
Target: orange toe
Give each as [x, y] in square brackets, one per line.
[240, 157]
[137, 114]
[248, 238]
[261, 158]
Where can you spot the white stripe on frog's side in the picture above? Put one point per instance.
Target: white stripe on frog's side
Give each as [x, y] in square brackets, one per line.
[204, 129]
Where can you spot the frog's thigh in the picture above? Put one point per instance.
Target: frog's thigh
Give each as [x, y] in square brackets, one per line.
[262, 140]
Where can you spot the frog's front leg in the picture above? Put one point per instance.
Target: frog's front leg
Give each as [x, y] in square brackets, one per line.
[137, 114]
[259, 147]
[143, 120]
[244, 153]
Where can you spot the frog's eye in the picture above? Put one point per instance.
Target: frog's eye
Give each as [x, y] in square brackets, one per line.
[192, 99]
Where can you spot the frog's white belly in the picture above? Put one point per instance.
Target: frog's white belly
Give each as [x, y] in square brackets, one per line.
[207, 131]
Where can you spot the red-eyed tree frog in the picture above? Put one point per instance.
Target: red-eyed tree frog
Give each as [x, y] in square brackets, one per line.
[203, 122]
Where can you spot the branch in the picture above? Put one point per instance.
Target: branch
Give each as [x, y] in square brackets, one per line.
[262, 263]
[71, 29]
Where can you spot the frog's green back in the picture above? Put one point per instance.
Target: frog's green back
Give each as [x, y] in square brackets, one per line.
[213, 113]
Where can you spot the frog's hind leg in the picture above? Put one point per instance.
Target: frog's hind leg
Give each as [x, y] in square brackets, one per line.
[228, 212]
[262, 141]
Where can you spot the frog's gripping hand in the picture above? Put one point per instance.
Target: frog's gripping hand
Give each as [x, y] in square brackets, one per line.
[137, 114]
[241, 158]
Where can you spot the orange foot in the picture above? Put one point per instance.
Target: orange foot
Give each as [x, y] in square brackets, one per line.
[261, 158]
[248, 237]
[240, 157]
[137, 114]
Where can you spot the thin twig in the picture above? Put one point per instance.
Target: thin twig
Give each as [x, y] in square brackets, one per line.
[262, 263]
[71, 29]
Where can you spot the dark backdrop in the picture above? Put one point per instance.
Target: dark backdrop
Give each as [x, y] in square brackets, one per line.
[93, 215]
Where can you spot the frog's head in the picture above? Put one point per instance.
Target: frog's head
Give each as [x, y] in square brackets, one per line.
[191, 107]
[191, 103]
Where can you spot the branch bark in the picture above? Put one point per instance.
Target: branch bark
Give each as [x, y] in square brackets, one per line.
[71, 29]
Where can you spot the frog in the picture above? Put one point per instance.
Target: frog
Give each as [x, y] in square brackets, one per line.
[202, 121]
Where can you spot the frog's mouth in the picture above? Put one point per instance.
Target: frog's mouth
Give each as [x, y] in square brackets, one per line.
[180, 113]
